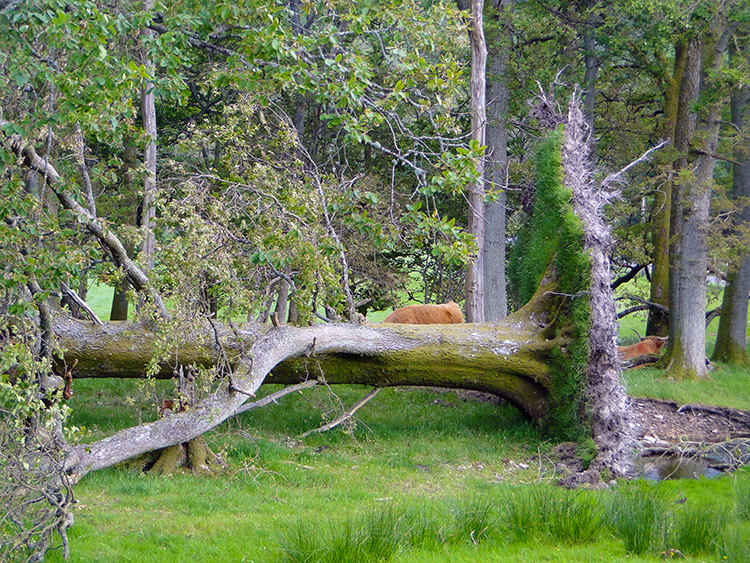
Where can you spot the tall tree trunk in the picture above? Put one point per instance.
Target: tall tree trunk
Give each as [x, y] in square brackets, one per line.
[120, 305]
[495, 291]
[282, 301]
[475, 270]
[684, 130]
[697, 133]
[610, 417]
[658, 321]
[148, 111]
[731, 342]
[591, 61]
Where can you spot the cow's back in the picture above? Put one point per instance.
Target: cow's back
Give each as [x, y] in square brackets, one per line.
[445, 313]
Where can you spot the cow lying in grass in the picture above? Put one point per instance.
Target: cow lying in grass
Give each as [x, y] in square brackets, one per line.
[445, 313]
[647, 345]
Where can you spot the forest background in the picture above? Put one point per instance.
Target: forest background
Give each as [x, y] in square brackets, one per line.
[297, 160]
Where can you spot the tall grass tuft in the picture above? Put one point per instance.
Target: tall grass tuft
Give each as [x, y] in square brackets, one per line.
[345, 544]
[698, 530]
[473, 520]
[383, 534]
[638, 516]
[378, 535]
[742, 498]
[523, 515]
[424, 528]
[561, 516]
[574, 518]
[734, 545]
[302, 543]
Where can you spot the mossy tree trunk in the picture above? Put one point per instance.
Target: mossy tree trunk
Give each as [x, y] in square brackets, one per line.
[658, 321]
[536, 358]
[696, 137]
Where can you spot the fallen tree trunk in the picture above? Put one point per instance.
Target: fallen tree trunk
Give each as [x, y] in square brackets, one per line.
[508, 359]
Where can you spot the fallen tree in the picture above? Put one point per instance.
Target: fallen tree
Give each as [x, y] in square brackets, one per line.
[555, 358]
[510, 360]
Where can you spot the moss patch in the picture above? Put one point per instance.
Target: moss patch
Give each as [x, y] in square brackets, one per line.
[554, 235]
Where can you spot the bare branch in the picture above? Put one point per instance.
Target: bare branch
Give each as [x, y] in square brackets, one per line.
[649, 304]
[274, 396]
[346, 416]
[627, 277]
[631, 310]
[71, 293]
[616, 178]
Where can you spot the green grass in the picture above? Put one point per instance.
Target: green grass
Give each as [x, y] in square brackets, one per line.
[422, 477]
[638, 516]
[742, 500]
[727, 386]
[698, 530]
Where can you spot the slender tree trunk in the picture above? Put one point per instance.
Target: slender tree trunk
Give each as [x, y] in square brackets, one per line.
[119, 309]
[475, 270]
[120, 305]
[731, 341]
[148, 110]
[658, 321]
[495, 291]
[592, 62]
[293, 317]
[282, 301]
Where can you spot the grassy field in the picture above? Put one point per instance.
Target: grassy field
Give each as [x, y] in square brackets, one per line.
[429, 474]
[423, 476]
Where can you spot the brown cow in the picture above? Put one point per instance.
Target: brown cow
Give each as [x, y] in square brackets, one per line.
[446, 313]
[647, 345]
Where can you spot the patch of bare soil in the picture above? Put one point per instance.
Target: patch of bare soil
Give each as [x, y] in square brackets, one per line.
[658, 423]
[666, 422]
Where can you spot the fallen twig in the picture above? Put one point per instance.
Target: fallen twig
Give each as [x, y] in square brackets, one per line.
[273, 396]
[346, 416]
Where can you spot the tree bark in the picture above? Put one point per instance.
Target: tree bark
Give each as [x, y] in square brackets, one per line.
[697, 138]
[508, 360]
[148, 111]
[684, 131]
[731, 340]
[475, 270]
[120, 306]
[496, 170]
[610, 418]
[688, 254]
[658, 321]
